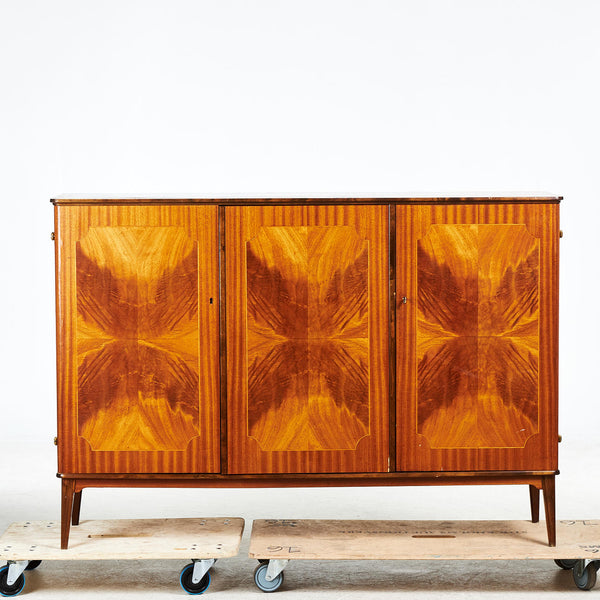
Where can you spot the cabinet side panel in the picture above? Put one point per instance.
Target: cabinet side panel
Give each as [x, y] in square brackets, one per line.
[139, 391]
[305, 340]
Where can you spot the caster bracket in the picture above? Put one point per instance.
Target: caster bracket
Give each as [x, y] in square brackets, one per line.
[16, 568]
[275, 566]
[201, 568]
[590, 561]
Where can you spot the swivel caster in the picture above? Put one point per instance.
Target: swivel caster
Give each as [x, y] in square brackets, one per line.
[260, 579]
[14, 588]
[565, 563]
[187, 583]
[585, 575]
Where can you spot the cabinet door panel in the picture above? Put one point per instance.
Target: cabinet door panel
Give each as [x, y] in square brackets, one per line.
[307, 315]
[138, 384]
[477, 339]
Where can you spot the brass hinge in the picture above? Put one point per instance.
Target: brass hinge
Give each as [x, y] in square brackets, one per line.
[56, 441]
[52, 236]
[560, 233]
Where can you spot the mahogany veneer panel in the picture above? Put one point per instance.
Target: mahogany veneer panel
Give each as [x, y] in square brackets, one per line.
[138, 383]
[307, 312]
[476, 380]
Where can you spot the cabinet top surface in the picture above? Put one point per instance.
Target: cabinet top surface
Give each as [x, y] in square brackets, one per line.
[91, 199]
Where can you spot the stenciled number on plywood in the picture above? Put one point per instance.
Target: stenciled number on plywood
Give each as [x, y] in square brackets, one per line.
[477, 336]
[137, 338]
[308, 338]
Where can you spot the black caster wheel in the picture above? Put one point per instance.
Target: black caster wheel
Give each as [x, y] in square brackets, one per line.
[585, 578]
[15, 588]
[33, 564]
[263, 561]
[566, 564]
[260, 574]
[185, 579]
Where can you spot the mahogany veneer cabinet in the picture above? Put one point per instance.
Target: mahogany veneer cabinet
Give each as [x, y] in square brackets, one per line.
[307, 342]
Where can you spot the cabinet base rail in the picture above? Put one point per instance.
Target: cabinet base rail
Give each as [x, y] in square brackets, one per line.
[73, 485]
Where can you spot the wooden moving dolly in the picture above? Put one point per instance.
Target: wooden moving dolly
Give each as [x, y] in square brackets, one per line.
[24, 545]
[275, 542]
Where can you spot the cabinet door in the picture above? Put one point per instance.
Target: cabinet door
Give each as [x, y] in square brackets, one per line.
[138, 339]
[307, 339]
[477, 337]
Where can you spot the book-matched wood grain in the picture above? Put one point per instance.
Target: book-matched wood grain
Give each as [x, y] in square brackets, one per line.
[137, 306]
[307, 339]
[476, 383]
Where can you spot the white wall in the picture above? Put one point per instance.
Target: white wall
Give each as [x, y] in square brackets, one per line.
[294, 98]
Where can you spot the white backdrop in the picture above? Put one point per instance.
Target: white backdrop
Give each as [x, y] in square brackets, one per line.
[294, 98]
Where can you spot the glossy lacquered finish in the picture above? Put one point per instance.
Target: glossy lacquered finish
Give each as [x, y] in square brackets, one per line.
[298, 342]
[137, 321]
[477, 337]
[307, 341]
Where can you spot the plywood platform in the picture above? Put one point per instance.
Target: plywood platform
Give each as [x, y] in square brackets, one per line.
[421, 540]
[124, 539]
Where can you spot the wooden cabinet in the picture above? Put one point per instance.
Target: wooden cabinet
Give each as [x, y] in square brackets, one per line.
[233, 343]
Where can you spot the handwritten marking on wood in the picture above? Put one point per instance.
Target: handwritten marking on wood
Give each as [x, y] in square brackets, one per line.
[281, 523]
[284, 549]
[125, 539]
[426, 540]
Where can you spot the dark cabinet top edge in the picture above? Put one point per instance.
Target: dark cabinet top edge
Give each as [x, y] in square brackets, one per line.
[64, 200]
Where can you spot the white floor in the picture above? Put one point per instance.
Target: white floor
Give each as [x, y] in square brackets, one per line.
[30, 492]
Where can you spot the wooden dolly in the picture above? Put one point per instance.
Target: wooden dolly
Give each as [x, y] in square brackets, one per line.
[24, 545]
[275, 542]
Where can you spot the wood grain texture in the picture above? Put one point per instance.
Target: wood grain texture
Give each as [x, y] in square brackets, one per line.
[308, 539]
[137, 382]
[91, 200]
[476, 383]
[301, 480]
[137, 338]
[307, 322]
[477, 336]
[125, 539]
[308, 338]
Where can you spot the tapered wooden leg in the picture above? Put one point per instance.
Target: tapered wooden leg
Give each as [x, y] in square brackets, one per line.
[549, 507]
[66, 510]
[76, 508]
[534, 499]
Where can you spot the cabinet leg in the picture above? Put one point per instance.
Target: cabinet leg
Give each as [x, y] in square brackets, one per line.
[550, 507]
[76, 508]
[534, 500]
[66, 510]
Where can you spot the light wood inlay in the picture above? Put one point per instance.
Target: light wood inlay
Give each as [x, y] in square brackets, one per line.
[307, 325]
